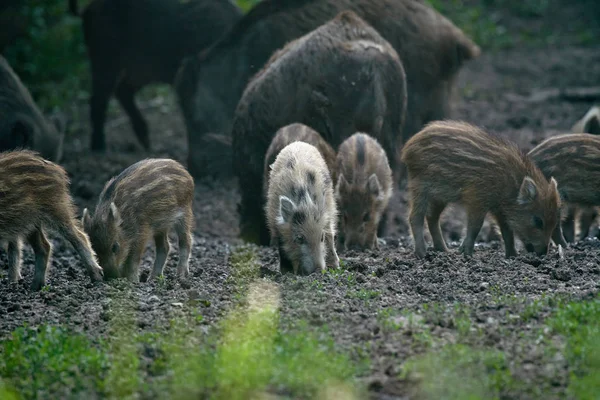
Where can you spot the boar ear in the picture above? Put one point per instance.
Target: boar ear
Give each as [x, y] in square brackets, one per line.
[592, 125]
[373, 185]
[85, 218]
[113, 215]
[342, 185]
[286, 209]
[528, 191]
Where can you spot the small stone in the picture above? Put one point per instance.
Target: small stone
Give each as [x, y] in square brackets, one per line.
[153, 299]
[483, 286]
[177, 305]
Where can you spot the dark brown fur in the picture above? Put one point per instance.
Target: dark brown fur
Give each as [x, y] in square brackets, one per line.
[210, 85]
[450, 161]
[574, 161]
[145, 201]
[297, 133]
[34, 197]
[22, 124]
[339, 79]
[363, 190]
[134, 43]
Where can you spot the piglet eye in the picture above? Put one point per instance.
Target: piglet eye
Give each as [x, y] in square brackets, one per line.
[366, 217]
[538, 222]
[299, 239]
[115, 247]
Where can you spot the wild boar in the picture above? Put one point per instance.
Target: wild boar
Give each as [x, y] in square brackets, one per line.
[574, 160]
[132, 44]
[301, 211]
[344, 77]
[297, 133]
[452, 161]
[363, 190]
[34, 197]
[210, 85]
[22, 124]
[146, 200]
[590, 123]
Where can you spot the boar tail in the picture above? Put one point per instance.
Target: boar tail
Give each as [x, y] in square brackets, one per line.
[74, 7]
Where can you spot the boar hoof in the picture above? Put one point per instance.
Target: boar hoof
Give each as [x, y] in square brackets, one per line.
[37, 285]
[420, 253]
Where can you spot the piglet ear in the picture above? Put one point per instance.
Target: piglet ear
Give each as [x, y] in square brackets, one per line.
[527, 192]
[374, 186]
[286, 209]
[592, 125]
[85, 218]
[342, 185]
[114, 217]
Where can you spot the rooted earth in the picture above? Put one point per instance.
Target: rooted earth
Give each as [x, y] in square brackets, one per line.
[439, 328]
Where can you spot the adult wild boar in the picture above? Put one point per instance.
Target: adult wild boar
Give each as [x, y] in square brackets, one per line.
[210, 85]
[22, 124]
[134, 43]
[339, 79]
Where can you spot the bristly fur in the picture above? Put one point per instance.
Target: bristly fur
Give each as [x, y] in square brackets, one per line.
[363, 190]
[369, 96]
[297, 133]
[210, 85]
[301, 211]
[452, 161]
[573, 159]
[34, 196]
[146, 200]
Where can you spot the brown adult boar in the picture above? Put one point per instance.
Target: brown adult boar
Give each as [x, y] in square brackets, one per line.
[145, 201]
[134, 43]
[363, 190]
[211, 84]
[590, 123]
[22, 124]
[339, 79]
[34, 197]
[301, 211]
[297, 133]
[574, 160]
[451, 161]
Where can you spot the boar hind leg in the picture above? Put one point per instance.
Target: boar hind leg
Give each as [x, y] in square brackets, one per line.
[586, 218]
[184, 233]
[14, 260]
[126, 95]
[42, 250]
[418, 210]
[568, 225]
[474, 223]
[508, 237]
[161, 240]
[433, 221]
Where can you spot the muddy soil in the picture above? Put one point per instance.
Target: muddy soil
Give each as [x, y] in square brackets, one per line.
[493, 93]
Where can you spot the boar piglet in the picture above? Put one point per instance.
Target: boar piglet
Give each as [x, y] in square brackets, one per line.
[363, 190]
[301, 211]
[589, 123]
[297, 133]
[22, 124]
[34, 196]
[574, 160]
[451, 161]
[145, 201]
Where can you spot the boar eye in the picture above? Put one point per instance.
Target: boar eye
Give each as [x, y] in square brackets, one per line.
[115, 247]
[537, 221]
[299, 239]
[366, 217]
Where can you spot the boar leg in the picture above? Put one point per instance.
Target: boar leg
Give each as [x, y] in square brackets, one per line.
[126, 95]
[161, 241]
[185, 246]
[557, 236]
[568, 225]
[330, 244]
[586, 218]
[104, 78]
[474, 223]
[433, 221]
[81, 243]
[508, 237]
[131, 266]
[41, 249]
[418, 211]
[14, 260]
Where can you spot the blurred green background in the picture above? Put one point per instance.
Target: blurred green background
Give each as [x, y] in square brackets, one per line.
[50, 57]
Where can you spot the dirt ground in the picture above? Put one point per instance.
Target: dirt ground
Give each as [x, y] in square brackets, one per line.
[493, 93]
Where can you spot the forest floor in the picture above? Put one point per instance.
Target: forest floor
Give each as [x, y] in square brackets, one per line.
[383, 326]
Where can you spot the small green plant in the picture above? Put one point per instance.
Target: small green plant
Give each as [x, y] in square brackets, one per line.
[366, 294]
